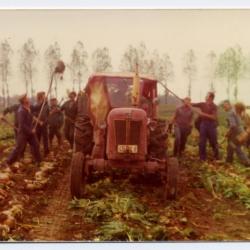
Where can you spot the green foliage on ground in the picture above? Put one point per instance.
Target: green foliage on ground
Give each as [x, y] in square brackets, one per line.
[119, 215]
[6, 133]
[229, 185]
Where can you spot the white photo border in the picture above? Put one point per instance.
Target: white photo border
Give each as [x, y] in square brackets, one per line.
[129, 4]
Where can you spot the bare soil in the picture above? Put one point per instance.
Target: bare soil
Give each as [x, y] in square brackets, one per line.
[195, 215]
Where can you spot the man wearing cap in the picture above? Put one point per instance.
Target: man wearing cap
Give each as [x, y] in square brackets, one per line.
[208, 126]
[55, 121]
[70, 110]
[42, 126]
[182, 121]
[25, 133]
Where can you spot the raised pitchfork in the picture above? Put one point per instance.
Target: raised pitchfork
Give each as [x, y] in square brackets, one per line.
[180, 99]
[59, 69]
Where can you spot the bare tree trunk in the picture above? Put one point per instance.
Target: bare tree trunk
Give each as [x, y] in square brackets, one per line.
[8, 94]
[228, 89]
[31, 81]
[26, 82]
[235, 91]
[26, 86]
[3, 88]
[7, 86]
[3, 95]
[50, 76]
[7, 91]
[55, 87]
[79, 81]
[74, 84]
[31, 86]
[189, 87]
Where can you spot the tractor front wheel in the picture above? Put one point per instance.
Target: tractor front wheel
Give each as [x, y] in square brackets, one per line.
[78, 175]
[172, 173]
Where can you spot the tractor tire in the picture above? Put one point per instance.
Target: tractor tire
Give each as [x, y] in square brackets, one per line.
[157, 147]
[172, 174]
[83, 137]
[78, 176]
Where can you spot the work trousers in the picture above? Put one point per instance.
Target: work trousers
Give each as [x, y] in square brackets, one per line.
[181, 135]
[55, 131]
[42, 134]
[208, 132]
[234, 147]
[69, 132]
[21, 142]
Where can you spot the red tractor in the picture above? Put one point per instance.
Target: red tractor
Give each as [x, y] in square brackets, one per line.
[117, 128]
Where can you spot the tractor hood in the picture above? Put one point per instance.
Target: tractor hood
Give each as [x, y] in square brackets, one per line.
[127, 134]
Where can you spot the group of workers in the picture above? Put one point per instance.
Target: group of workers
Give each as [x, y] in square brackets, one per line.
[39, 123]
[206, 123]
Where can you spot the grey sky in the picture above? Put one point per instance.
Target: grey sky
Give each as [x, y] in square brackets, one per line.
[171, 31]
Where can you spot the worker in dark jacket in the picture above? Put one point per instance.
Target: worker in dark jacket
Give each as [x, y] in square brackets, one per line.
[70, 110]
[208, 126]
[55, 122]
[25, 134]
[14, 109]
[182, 121]
[42, 126]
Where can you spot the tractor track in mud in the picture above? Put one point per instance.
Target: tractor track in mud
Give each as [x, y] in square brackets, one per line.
[51, 223]
[48, 215]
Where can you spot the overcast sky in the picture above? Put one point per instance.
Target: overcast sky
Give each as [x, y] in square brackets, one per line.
[169, 31]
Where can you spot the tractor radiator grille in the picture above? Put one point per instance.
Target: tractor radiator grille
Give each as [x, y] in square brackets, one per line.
[127, 132]
[120, 132]
[135, 127]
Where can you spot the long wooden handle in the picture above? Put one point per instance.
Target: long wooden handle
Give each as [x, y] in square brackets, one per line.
[44, 101]
[167, 89]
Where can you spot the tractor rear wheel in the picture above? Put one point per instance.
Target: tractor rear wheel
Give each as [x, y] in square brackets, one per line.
[83, 135]
[172, 174]
[83, 138]
[158, 140]
[78, 175]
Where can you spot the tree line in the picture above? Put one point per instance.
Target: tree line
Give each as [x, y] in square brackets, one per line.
[231, 65]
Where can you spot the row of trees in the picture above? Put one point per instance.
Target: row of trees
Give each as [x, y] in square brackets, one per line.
[231, 65]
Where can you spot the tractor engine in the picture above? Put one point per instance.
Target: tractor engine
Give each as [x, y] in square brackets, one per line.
[117, 130]
[127, 134]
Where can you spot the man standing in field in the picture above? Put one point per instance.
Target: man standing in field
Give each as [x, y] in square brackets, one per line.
[240, 110]
[182, 121]
[25, 134]
[42, 126]
[208, 126]
[235, 129]
[55, 122]
[70, 110]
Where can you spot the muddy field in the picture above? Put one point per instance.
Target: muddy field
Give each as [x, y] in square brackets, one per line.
[213, 202]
